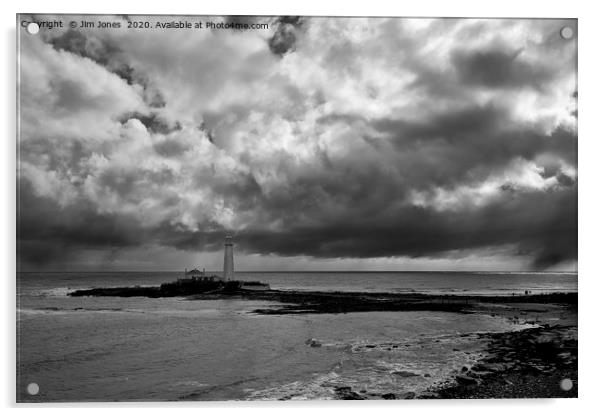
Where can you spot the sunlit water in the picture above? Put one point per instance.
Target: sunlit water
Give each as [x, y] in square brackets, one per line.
[90, 349]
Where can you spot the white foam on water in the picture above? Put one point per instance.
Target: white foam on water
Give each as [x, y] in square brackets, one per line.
[318, 388]
[373, 369]
[191, 383]
[54, 292]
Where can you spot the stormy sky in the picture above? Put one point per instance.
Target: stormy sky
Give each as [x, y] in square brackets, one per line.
[319, 143]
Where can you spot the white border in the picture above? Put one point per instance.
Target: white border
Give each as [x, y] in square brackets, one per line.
[590, 153]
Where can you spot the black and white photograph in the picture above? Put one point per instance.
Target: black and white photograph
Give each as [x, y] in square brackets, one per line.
[266, 208]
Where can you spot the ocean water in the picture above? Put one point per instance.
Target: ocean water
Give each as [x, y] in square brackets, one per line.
[106, 349]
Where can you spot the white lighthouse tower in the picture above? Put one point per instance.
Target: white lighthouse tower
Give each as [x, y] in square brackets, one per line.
[228, 259]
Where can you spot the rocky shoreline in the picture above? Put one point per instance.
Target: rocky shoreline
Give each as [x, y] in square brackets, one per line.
[532, 363]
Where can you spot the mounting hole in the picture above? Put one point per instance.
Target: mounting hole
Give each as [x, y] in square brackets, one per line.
[33, 28]
[566, 384]
[33, 389]
[567, 32]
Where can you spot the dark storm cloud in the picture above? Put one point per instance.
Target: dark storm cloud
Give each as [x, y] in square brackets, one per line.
[285, 36]
[500, 68]
[153, 122]
[203, 128]
[565, 180]
[477, 136]
[100, 51]
[180, 237]
[170, 148]
[76, 42]
[465, 144]
[545, 225]
[48, 232]
[156, 99]
[108, 54]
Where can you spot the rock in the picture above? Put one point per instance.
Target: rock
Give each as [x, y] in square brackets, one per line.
[370, 346]
[426, 375]
[488, 367]
[405, 374]
[466, 381]
[464, 369]
[312, 342]
[345, 393]
[477, 374]
[536, 368]
[389, 396]
[408, 396]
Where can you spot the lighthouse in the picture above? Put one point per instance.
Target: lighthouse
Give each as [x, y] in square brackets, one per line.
[228, 260]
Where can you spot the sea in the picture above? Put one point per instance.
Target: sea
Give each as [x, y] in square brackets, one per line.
[88, 349]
